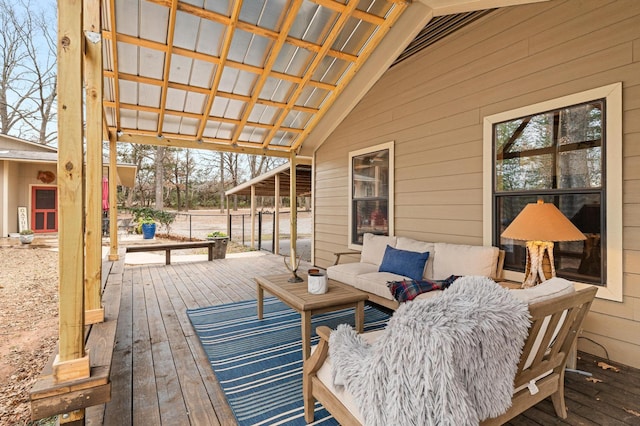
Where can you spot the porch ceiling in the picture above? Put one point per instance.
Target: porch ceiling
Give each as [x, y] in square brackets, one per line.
[265, 184]
[255, 77]
[252, 76]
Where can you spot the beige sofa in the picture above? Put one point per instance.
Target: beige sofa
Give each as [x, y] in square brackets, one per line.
[444, 260]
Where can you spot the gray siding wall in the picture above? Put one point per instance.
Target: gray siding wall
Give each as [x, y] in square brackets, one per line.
[432, 106]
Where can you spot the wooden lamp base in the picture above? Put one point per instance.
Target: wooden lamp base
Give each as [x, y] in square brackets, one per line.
[540, 265]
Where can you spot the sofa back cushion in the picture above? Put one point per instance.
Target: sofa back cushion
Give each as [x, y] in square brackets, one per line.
[404, 243]
[374, 246]
[460, 259]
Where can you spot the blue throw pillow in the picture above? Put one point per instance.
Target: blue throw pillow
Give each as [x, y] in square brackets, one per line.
[404, 262]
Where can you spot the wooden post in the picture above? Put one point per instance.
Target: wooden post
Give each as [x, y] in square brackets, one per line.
[276, 216]
[71, 362]
[113, 199]
[229, 224]
[94, 312]
[294, 206]
[253, 216]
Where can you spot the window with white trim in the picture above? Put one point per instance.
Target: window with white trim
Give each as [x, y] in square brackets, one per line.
[567, 152]
[371, 192]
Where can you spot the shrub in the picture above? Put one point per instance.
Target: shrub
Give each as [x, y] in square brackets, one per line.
[166, 219]
[214, 234]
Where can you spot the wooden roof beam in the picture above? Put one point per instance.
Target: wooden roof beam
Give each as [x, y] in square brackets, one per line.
[290, 14]
[207, 143]
[357, 14]
[345, 14]
[140, 42]
[205, 91]
[171, 29]
[374, 41]
[224, 53]
[264, 32]
[114, 60]
[155, 110]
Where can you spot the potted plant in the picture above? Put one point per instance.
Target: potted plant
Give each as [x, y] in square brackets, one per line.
[216, 234]
[220, 244]
[148, 226]
[26, 236]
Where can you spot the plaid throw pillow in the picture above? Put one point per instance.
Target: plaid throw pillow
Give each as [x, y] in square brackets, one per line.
[406, 290]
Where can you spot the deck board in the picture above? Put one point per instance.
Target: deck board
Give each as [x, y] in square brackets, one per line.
[160, 373]
[145, 399]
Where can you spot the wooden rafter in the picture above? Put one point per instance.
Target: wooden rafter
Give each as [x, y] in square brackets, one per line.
[291, 12]
[154, 110]
[345, 14]
[264, 32]
[212, 144]
[114, 60]
[154, 45]
[224, 52]
[327, 28]
[105, 126]
[358, 14]
[205, 91]
[167, 62]
[373, 42]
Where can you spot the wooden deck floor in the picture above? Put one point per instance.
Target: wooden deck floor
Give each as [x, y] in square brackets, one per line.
[160, 374]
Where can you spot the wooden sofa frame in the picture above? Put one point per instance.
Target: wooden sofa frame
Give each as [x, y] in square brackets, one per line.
[393, 304]
[550, 355]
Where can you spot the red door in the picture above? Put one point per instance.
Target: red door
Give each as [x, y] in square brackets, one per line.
[44, 210]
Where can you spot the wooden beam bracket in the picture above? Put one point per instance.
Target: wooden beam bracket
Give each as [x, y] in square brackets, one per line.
[94, 316]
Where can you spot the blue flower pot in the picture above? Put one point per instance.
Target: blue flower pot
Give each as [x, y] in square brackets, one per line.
[148, 230]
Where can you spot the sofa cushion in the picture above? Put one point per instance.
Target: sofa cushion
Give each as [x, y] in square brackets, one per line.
[406, 290]
[348, 272]
[404, 243]
[549, 289]
[376, 283]
[404, 262]
[460, 259]
[373, 247]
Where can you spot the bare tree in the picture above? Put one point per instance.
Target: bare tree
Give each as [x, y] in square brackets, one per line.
[28, 71]
[159, 164]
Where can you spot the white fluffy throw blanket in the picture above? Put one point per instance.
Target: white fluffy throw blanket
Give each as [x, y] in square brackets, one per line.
[447, 360]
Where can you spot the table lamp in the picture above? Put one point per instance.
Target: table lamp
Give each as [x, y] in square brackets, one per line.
[539, 224]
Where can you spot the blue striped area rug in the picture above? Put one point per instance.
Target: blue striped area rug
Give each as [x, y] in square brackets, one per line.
[259, 362]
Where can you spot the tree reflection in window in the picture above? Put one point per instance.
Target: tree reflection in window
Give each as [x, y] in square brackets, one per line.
[370, 194]
[556, 156]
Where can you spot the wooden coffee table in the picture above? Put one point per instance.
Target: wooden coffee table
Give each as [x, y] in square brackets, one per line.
[339, 296]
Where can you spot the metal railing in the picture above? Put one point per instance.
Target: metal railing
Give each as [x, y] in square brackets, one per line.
[196, 226]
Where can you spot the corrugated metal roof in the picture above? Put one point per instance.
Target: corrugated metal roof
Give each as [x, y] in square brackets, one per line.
[257, 74]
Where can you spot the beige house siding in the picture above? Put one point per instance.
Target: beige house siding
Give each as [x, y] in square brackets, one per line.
[433, 104]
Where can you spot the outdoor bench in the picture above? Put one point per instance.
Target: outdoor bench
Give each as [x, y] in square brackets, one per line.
[210, 245]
